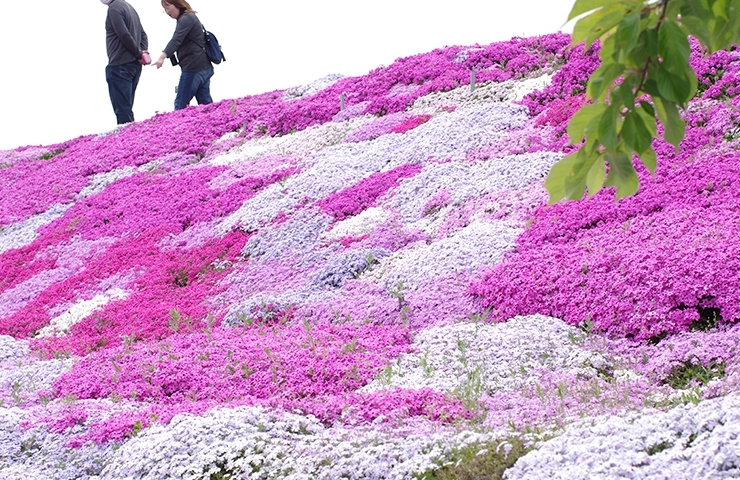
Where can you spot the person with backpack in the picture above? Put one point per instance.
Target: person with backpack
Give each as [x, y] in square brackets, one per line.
[188, 49]
[126, 44]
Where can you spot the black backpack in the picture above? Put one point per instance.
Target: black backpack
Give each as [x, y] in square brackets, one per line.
[213, 48]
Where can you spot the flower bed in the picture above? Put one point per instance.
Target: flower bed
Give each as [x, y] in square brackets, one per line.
[274, 287]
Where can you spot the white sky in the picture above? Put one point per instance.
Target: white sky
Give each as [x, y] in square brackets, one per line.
[52, 86]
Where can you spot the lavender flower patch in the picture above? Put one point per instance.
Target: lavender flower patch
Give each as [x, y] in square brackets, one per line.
[352, 111]
[347, 265]
[376, 128]
[333, 168]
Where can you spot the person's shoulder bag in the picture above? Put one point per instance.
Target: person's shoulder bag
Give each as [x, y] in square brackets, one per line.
[213, 48]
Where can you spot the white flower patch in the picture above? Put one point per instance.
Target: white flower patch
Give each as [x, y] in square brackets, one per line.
[10, 445]
[194, 236]
[290, 299]
[259, 210]
[461, 97]
[464, 181]
[12, 349]
[70, 258]
[60, 324]
[45, 454]
[361, 224]
[339, 166]
[452, 135]
[298, 144]
[250, 442]
[478, 245]
[312, 88]
[501, 356]
[9, 158]
[25, 380]
[295, 237]
[687, 442]
[23, 233]
[327, 171]
[101, 180]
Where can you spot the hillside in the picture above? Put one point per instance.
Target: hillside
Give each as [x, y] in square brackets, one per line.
[361, 278]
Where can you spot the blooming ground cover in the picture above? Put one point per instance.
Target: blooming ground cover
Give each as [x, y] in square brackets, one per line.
[279, 287]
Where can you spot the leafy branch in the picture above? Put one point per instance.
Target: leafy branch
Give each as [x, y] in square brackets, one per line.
[644, 72]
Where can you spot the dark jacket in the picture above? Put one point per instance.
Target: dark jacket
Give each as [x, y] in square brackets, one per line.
[125, 38]
[189, 42]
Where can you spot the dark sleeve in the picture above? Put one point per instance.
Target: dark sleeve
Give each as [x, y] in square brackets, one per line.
[119, 26]
[184, 25]
[144, 41]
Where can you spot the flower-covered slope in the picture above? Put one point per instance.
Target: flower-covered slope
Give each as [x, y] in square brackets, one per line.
[360, 278]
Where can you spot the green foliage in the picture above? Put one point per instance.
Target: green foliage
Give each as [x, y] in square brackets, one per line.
[644, 74]
[479, 461]
[691, 373]
[658, 447]
[51, 154]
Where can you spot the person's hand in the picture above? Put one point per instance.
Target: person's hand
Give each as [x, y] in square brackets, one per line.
[160, 60]
[145, 59]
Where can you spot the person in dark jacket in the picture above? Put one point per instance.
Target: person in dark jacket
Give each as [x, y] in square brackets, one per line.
[188, 48]
[126, 43]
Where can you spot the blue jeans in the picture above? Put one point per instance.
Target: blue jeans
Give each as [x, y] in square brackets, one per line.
[122, 82]
[194, 84]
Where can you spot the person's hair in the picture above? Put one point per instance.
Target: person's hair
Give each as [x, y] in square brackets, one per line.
[181, 5]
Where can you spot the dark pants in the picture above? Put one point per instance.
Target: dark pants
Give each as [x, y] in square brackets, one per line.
[122, 82]
[194, 84]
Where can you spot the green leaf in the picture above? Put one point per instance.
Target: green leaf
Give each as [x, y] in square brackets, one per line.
[649, 159]
[646, 111]
[651, 86]
[635, 134]
[673, 124]
[724, 28]
[555, 181]
[593, 26]
[647, 108]
[698, 28]
[578, 123]
[673, 47]
[609, 50]
[583, 6]
[628, 32]
[595, 177]
[622, 175]
[567, 178]
[719, 9]
[674, 87]
[622, 94]
[608, 128]
[602, 79]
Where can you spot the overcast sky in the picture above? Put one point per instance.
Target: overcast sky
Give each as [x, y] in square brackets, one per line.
[53, 85]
